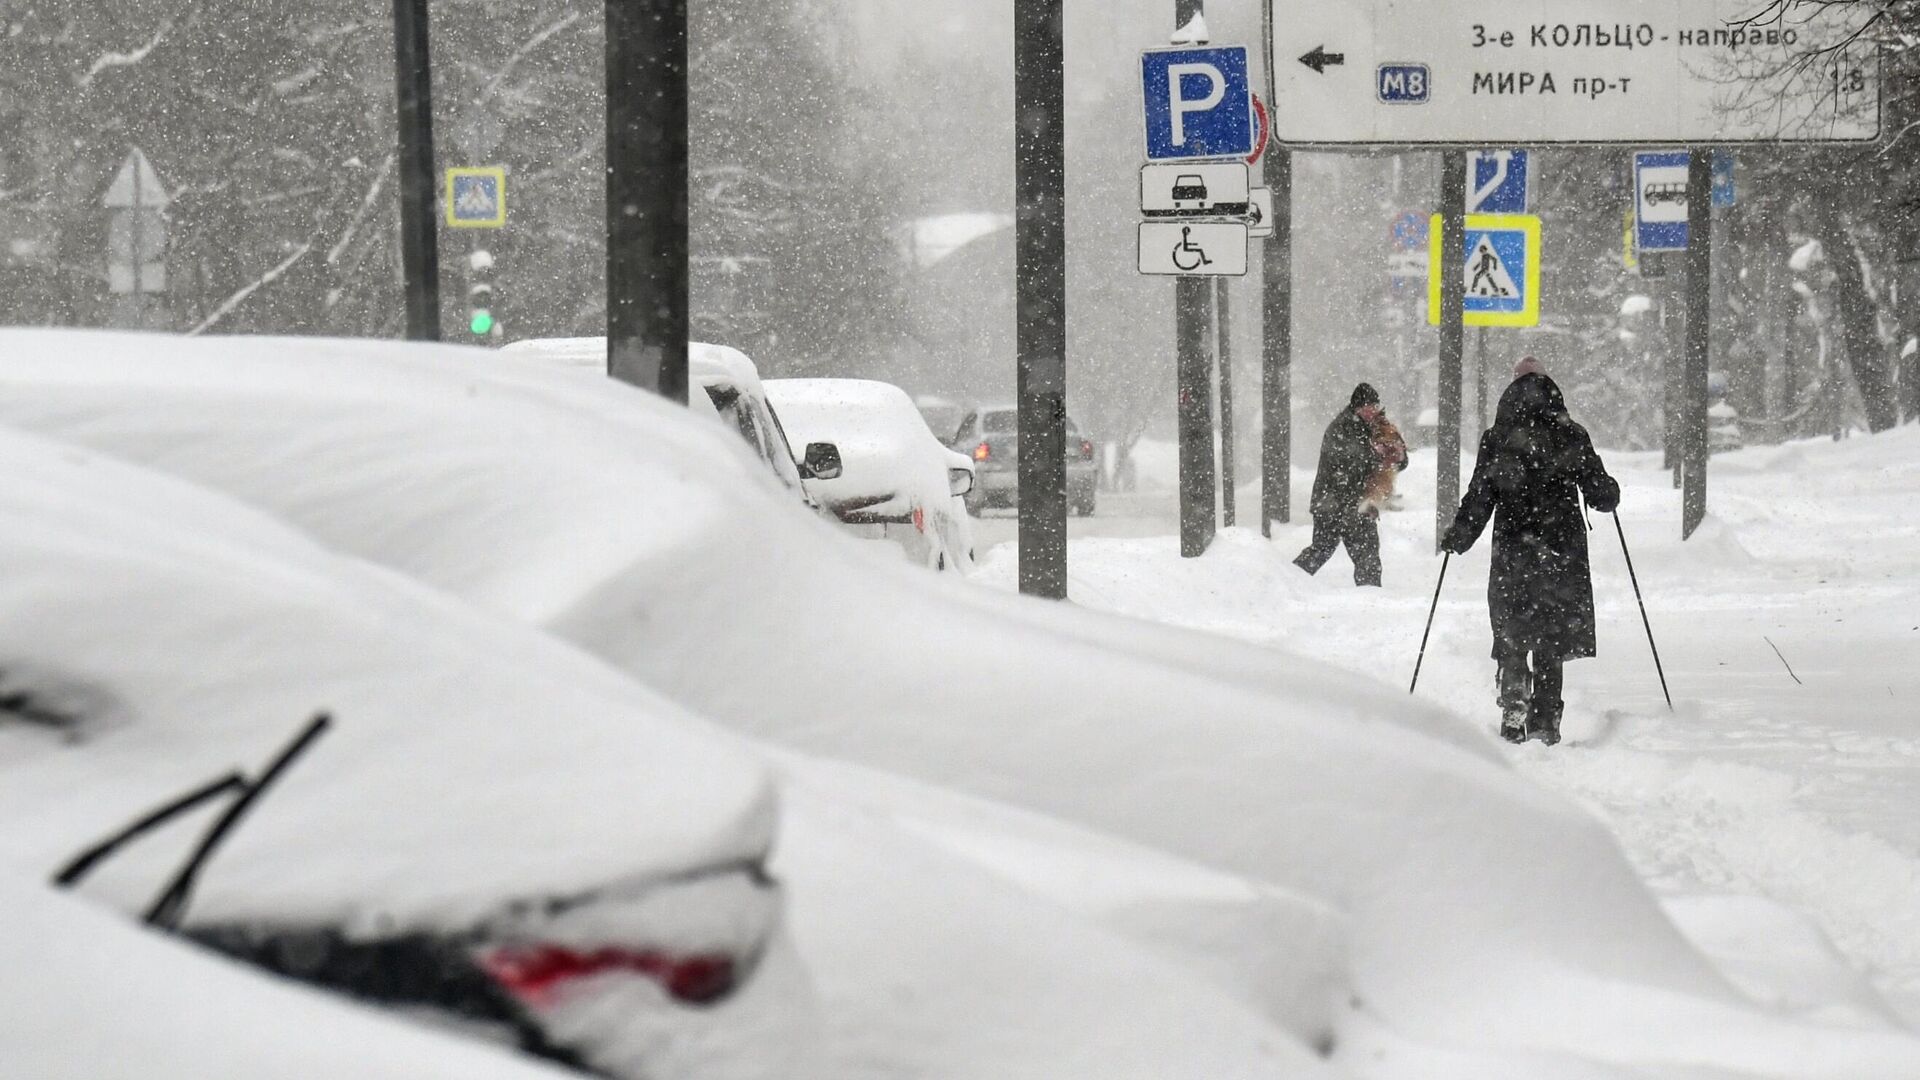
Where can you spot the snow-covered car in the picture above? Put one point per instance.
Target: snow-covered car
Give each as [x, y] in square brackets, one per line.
[89, 996]
[495, 829]
[720, 376]
[1394, 814]
[876, 466]
[991, 437]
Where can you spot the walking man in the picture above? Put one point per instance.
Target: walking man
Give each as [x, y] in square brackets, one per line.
[1535, 464]
[1350, 456]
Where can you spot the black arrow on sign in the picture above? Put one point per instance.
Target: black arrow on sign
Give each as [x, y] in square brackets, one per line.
[1320, 59]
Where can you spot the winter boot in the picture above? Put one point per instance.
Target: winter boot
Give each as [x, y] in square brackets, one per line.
[1544, 724]
[1513, 723]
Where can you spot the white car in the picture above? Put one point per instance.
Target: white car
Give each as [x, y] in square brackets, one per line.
[89, 996]
[876, 466]
[721, 377]
[440, 848]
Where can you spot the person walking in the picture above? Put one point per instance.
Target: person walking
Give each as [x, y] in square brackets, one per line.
[1535, 465]
[1351, 454]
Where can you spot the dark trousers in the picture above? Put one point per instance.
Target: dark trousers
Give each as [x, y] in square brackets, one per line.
[1532, 689]
[1361, 534]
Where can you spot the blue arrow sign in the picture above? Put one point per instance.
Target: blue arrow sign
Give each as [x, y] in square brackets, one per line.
[1199, 103]
[1499, 182]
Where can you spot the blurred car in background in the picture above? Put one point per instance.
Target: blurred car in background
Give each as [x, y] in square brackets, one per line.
[870, 460]
[991, 437]
[941, 414]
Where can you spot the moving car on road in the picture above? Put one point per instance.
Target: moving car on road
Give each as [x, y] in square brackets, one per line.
[991, 437]
[872, 462]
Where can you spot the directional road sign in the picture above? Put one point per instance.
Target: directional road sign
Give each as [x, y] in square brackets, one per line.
[1725, 192]
[1499, 182]
[1199, 103]
[1193, 248]
[476, 198]
[1502, 276]
[1660, 200]
[1195, 189]
[1469, 73]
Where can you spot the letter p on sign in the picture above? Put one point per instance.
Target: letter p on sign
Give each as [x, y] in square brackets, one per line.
[1198, 103]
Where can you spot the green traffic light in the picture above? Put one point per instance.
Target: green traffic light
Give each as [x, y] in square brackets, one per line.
[482, 323]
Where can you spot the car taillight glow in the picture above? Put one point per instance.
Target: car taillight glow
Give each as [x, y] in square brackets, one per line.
[537, 974]
[982, 452]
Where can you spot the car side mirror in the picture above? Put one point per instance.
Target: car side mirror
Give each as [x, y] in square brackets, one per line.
[822, 462]
[959, 481]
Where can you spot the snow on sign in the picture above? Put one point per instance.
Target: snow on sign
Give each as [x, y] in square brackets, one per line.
[1470, 73]
[1502, 275]
[476, 198]
[1199, 103]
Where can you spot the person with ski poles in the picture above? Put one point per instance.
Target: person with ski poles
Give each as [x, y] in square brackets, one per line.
[1535, 465]
[1354, 451]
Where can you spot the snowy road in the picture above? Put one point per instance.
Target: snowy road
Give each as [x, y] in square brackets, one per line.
[1801, 788]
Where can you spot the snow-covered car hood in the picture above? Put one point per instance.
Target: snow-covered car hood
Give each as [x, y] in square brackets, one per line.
[892, 462]
[185, 635]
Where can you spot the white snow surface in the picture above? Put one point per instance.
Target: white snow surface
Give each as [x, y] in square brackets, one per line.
[883, 440]
[89, 997]
[1491, 928]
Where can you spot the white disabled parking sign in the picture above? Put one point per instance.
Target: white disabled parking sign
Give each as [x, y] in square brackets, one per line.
[1501, 278]
[1199, 103]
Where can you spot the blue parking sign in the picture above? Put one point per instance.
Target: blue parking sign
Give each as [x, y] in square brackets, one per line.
[1199, 103]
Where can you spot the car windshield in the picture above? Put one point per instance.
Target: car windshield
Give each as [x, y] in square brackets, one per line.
[1003, 422]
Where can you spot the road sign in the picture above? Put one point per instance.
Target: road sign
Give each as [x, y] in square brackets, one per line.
[1195, 189]
[476, 198]
[1466, 73]
[136, 186]
[1260, 220]
[1660, 200]
[1499, 182]
[1408, 265]
[1193, 248]
[1199, 103]
[1408, 232]
[1725, 192]
[1502, 276]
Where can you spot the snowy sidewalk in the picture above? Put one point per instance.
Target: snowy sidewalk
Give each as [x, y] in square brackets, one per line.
[1764, 788]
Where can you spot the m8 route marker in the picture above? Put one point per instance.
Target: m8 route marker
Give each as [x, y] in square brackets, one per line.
[1469, 73]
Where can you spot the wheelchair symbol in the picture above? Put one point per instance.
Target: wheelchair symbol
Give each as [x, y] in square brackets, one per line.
[1187, 255]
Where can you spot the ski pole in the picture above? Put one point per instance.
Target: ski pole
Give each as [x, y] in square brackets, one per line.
[1417, 664]
[1644, 621]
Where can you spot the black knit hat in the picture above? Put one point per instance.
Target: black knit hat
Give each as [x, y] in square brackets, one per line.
[1364, 395]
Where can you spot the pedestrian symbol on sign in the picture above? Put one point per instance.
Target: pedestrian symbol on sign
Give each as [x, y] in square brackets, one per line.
[476, 198]
[1490, 278]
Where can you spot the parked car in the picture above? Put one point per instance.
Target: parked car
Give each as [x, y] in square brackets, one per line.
[991, 437]
[495, 830]
[874, 465]
[719, 376]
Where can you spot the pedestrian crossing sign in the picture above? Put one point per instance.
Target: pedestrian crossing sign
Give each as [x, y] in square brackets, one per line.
[1501, 280]
[476, 198]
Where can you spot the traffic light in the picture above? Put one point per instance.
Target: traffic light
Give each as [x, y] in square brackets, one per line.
[481, 322]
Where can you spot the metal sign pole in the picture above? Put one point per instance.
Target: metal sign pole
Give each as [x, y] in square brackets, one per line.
[1223, 348]
[1192, 299]
[1482, 366]
[1699, 340]
[1040, 180]
[419, 235]
[1453, 298]
[647, 264]
[1276, 330]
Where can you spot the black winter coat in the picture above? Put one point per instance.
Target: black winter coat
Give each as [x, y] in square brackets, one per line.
[1346, 461]
[1535, 462]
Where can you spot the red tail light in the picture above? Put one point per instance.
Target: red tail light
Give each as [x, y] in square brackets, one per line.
[1086, 450]
[982, 452]
[537, 974]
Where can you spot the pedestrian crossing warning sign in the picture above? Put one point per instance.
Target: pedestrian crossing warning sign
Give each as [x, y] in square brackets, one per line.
[476, 198]
[1501, 278]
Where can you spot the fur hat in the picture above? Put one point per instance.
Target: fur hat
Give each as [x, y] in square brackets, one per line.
[1528, 366]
